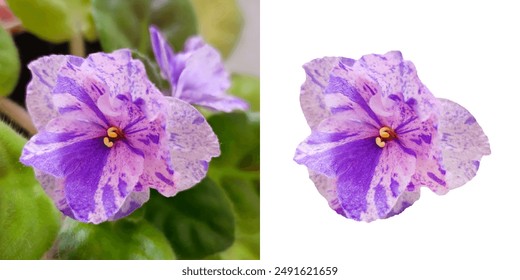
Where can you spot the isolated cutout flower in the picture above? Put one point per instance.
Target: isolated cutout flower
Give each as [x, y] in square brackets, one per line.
[378, 135]
[197, 74]
[107, 135]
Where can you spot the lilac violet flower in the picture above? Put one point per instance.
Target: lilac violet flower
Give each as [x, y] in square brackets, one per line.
[378, 135]
[197, 74]
[106, 136]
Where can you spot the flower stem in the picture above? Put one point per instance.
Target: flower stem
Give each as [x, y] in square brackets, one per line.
[77, 45]
[17, 114]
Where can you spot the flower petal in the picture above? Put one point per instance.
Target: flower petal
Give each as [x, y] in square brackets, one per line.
[204, 80]
[319, 151]
[463, 143]
[39, 90]
[327, 188]
[311, 97]
[152, 139]
[134, 201]
[406, 199]
[164, 55]
[395, 75]
[45, 151]
[192, 143]
[100, 184]
[54, 188]
[371, 179]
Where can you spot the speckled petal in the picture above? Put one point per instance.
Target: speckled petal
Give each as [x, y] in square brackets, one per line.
[164, 55]
[204, 80]
[152, 139]
[371, 179]
[99, 185]
[44, 151]
[133, 202]
[192, 143]
[318, 151]
[395, 75]
[113, 73]
[317, 80]
[54, 188]
[406, 199]
[39, 90]
[463, 143]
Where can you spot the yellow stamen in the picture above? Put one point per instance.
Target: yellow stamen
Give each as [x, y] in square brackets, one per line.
[380, 143]
[107, 142]
[112, 132]
[384, 132]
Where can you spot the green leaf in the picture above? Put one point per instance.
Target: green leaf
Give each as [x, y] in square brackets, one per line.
[29, 222]
[125, 23]
[198, 222]
[123, 239]
[248, 88]
[55, 21]
[237, 172]
[220, 23]
[10, 62]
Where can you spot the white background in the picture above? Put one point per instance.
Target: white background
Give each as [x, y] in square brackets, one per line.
[464, 51]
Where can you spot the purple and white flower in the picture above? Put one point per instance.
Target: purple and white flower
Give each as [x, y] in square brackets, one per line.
[378, 135]
[106, 136]
[197, 74]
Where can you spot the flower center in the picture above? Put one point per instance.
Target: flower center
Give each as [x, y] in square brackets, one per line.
[113, 134]
[385, 134]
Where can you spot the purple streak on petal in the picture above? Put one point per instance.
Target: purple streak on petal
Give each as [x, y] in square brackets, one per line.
[114, 184]
[163, 178]
[380, 200]
[198, 120]
[66, 85]
[108, 199]
[470, 120]
[436, 179]
[49, 150]
[189, 143]
[164, 55]
[463, 143]
[354, 163]
[340, 85]
[394, 187]
[122, 186]
[83, 164]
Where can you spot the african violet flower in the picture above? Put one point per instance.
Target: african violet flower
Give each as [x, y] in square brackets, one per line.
[378, 135]
[197, 74]
[107, 135]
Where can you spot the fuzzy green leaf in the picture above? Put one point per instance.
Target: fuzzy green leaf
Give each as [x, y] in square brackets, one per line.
[29, 222]
[10, 62]
[128, 238]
